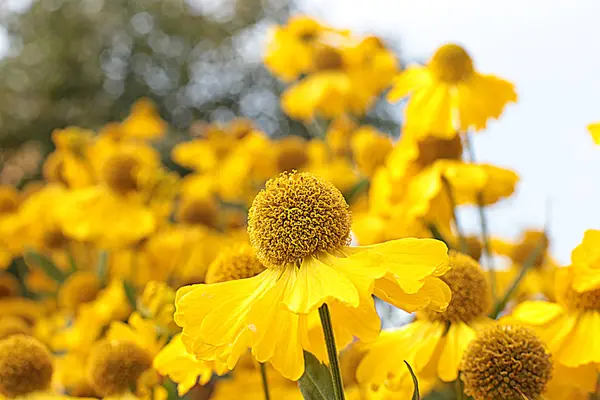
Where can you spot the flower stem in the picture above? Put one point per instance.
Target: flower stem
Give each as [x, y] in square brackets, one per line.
[485, 238]
[457, 225]
[265, 382]
[529, 262]
[334, 365]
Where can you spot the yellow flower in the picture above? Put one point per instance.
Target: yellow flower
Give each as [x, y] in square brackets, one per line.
[183, 252]
[506, 351]
[292, 154]
[246, 384]
[68, 164]
[585, 260]
[448, 96]
[25, 367]
[540, 278]
[157, 302]
[568, 328]
[291, 48]
[434, 344]
[370, 149]
[143, 122]
[142, 332]
[114, 366]
[595, 131]
[183, 368]
[71, 376]
[299, 227]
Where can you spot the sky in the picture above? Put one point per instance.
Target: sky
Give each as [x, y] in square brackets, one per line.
[551, 51]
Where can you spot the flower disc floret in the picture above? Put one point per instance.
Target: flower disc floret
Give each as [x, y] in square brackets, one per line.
[235, 263]
[25, 366]
[451, 64]
[506, 363]
[120, 173]
[471, 294]
[297, 215]
[115, 365]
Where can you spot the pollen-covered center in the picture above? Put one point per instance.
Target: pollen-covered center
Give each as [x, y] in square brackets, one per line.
[120, 173]
[292, 154]
[200, 211]
[534, 244]
[506, 362]
[589, 300]
[25, 366]
[471, 294]
[115, 365]
[233, 264]
[432, 149]
[451, 64]
[327, 58]
[296, 216]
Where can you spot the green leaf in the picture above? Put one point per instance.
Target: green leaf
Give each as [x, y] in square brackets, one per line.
[415, 395]
[130, 293]
[356, 190]
[316, 383]
[32, 257]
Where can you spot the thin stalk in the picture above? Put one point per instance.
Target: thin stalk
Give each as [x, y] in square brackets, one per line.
[334, 365]
[485, 237]
[265, 382]
[515, 283]
[458, 389]
[461, 237]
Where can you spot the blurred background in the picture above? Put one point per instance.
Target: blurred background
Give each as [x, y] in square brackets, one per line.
[84, 62]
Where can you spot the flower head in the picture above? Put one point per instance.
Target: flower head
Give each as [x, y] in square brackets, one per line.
[236, 263]
[506, 362]
[451, 64]
[114, 366]
[471, 295]
[296, 216]
[25, 366]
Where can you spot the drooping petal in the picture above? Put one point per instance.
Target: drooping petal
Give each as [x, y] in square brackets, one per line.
[413, 78]
[582, 346]
[458, 337]
[317, 283]
[434, 294]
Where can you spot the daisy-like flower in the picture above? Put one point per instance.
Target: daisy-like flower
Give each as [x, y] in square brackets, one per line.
[26, 369]
[506, 362]
[569, 328]
[433, 344]
[299, 226]
[448, 95]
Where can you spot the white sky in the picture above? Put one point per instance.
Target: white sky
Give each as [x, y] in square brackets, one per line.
[551, 50]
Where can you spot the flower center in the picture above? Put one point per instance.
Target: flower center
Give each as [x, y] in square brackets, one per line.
[292, 154]
[296, 216]
[25, 366]
[589, 300]
[327, 58]
[198, 211]
[506, 362]
[529, 246]
[115, 365]
[233, 264]
[9, 286]
[80, 287]
[451, 64]
[8, 200]
[432, 149]
[54, 239]
[471, 295]
[120, 173]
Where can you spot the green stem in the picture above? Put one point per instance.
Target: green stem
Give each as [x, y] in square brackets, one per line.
[461, 237]
[334, 365]
[265, 382]
[485, 238]
[458, 389]
[529, 262]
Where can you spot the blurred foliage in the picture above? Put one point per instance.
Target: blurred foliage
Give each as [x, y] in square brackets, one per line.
[84, 63]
